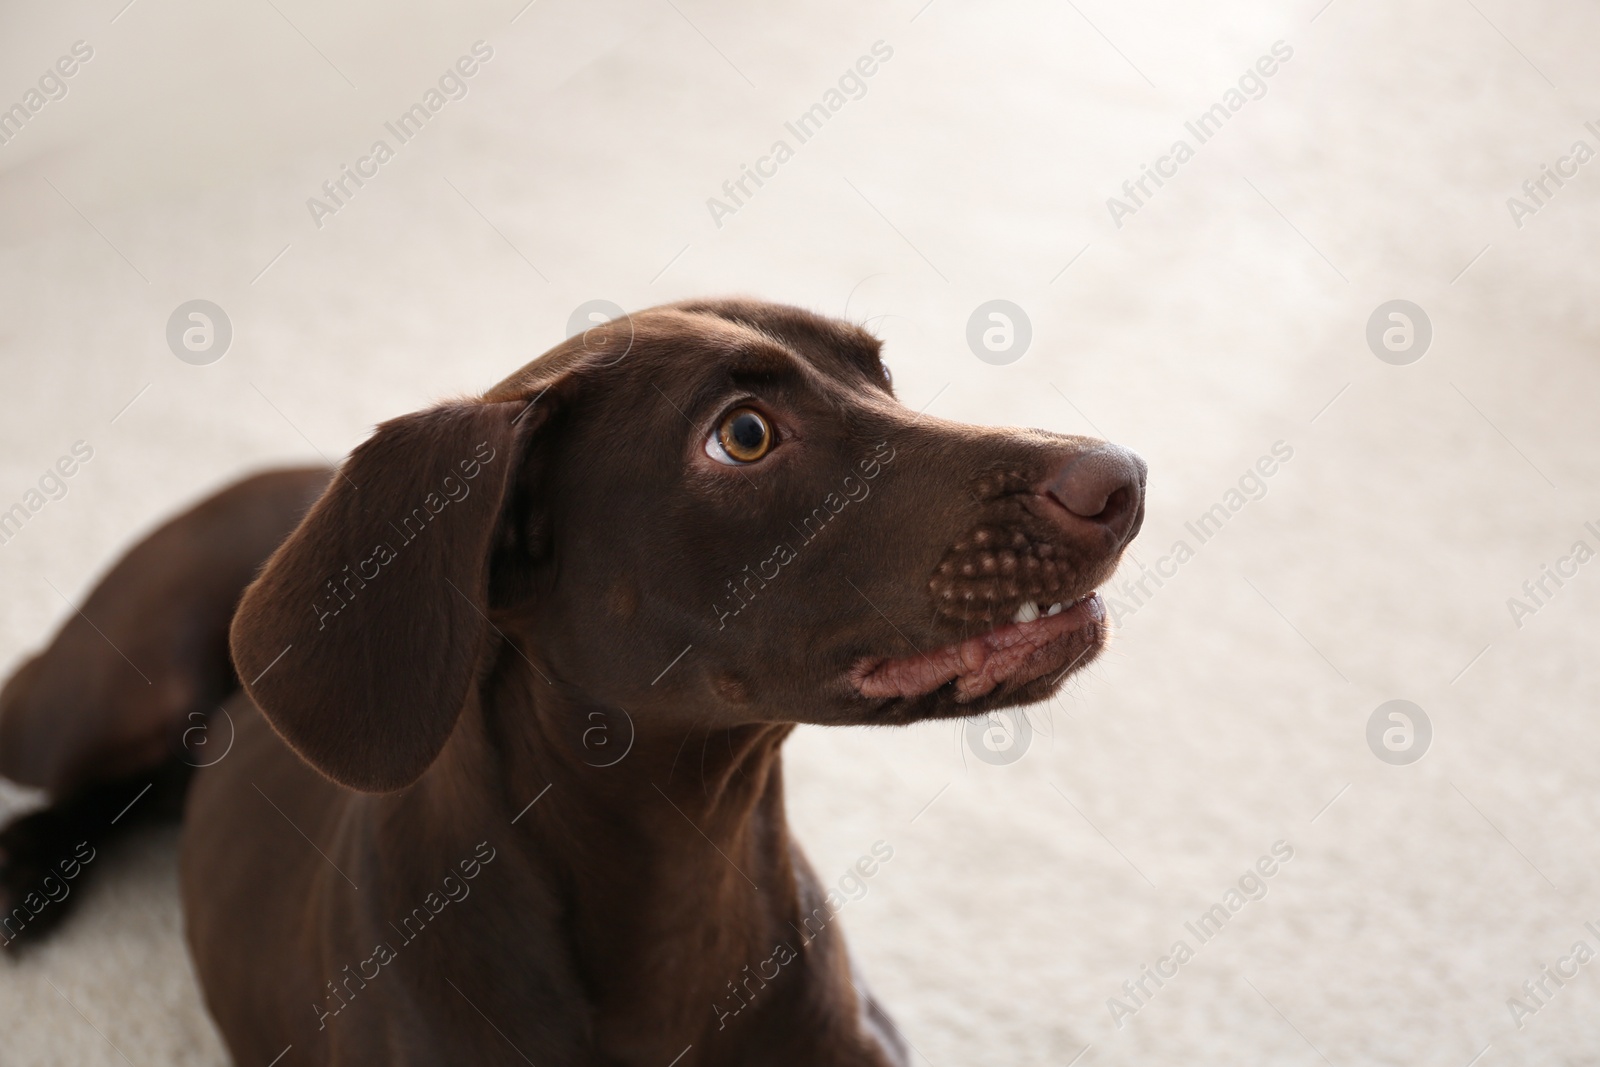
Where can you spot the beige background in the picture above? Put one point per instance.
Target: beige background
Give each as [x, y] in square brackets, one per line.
[1223, 317]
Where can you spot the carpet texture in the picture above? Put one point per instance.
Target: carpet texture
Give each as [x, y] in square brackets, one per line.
[1215, 318]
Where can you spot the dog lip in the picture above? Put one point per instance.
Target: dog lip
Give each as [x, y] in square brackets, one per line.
[1013, 654]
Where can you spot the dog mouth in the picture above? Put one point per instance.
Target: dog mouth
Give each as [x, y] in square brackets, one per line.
[1038, 642]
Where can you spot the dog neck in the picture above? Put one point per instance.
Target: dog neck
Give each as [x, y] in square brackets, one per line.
[677, 851]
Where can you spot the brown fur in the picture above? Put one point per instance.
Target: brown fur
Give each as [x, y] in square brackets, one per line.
[581, 565]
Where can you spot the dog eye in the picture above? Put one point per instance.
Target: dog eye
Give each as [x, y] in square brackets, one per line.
[742, 437]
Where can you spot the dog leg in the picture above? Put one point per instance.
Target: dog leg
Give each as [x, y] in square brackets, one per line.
[119, 703]
[47, 856]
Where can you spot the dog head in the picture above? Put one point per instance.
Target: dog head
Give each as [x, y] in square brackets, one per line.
[708, 514]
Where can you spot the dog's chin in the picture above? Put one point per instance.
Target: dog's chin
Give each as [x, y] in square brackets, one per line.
[1020, 662]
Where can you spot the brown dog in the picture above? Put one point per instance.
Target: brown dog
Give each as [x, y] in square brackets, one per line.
[504, 782]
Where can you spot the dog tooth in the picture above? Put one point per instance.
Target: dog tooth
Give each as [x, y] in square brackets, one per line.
[1027, 613]
[1055, 609]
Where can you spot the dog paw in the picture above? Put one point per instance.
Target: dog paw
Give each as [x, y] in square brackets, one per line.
[37, 868]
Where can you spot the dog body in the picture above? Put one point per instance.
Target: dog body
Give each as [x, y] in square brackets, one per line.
[504, 780]
[628, 926]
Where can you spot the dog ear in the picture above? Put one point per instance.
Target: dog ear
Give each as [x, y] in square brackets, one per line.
[360, 640]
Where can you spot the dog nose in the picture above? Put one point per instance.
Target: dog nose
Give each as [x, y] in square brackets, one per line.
[1104, 487]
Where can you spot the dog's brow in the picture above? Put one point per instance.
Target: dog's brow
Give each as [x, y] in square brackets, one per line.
[749, 367]
[763, 364]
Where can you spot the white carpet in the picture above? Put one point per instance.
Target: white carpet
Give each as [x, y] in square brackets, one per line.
[1226, 314]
